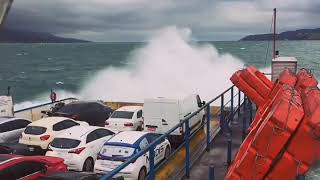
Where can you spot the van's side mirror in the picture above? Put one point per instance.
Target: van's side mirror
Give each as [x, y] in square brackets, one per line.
[203, 103]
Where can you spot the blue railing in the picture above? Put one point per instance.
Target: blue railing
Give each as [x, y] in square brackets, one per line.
[44, 104]
[224, 123]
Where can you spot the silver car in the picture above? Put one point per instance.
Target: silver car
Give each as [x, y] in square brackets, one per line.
[11, 128]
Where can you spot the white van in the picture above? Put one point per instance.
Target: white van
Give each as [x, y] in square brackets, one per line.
[162, 114]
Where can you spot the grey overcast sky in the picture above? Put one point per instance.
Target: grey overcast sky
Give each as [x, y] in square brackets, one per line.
[135, 20]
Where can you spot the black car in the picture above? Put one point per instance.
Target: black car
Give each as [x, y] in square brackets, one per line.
[71, 175]
[19, 149]
[95, 113]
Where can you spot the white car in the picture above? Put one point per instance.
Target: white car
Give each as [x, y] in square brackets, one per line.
[126, 118]
[79, 146]
[41, 132]
[11, 128]
[124, 145]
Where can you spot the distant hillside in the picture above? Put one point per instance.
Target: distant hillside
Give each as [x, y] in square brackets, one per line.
[21, 36]
[302, 34]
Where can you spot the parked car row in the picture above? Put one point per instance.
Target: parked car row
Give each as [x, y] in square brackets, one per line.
[89, 136]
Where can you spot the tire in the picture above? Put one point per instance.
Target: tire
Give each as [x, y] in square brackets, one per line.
[167, 153]
[88, 165]
[142, 174]
[139, 128]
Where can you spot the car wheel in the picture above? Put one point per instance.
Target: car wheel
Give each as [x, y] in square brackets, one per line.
[167, 153]
[142, 174]
[139, 128]
[88, 165]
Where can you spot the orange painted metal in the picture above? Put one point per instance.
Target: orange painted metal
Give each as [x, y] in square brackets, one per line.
[304, 147]
[265, 142]
[243, 85]
[284, 139]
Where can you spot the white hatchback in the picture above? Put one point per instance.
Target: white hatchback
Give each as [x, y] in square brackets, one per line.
[41, 132]
[79, 146]
[123, 146]
[126, 118]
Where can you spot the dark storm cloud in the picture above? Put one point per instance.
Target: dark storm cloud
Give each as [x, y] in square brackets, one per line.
[134, 20]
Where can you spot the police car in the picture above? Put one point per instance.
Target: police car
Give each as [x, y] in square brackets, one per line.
[123, 146]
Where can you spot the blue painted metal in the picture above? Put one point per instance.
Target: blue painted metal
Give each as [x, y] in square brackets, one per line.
[208, 128]
[231, 105]
[301, 177]
[165, 135]
[44, 104]
[187, 147]
[250, 111]
[151, 161]
[229, 155]
[211, 172]
[239, 104]
[222, 120]
[244, 120]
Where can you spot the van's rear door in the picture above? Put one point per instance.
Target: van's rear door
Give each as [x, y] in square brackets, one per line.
[160, 115]
[170, 117]
[152, 116]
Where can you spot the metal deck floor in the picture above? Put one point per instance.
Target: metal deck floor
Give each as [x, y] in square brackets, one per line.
[217, 156]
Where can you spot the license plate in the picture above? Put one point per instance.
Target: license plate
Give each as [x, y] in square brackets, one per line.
[31, 148]
[151, 129]
[64, 155]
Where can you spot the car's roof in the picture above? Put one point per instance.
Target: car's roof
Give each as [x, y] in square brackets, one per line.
[77, 132]
[48, 121]
[48, 159]
[130, 108]
[61, 175]
[86, 102]
[7, 118]
[128, 137]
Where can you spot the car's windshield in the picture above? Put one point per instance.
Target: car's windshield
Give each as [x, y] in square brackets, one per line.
[117, 151]
[35, 130]
[122, 114]
[65, 143]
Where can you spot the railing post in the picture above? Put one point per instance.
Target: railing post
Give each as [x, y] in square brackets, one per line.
[222, 112]
[187, 135]
[301, 177]
[239, 104]
[208, 128]
[250, 111]
[231, 106]
[211, 173]
[151, 163]
[244, 125]
[229, 150]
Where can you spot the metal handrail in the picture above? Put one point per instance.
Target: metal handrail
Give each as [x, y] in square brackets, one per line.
[151, 146]
[24, 109]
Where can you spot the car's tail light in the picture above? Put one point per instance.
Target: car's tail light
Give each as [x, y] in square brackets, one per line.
[45, 137]
[107, 123]
[128, 124]
[77, 151]
[75, 117]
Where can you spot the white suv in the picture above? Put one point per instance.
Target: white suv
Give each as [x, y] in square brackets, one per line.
[41, 132]
[126, 118]
[79, 146]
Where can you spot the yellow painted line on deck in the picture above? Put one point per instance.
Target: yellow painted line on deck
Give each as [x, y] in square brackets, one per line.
[178, 159]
